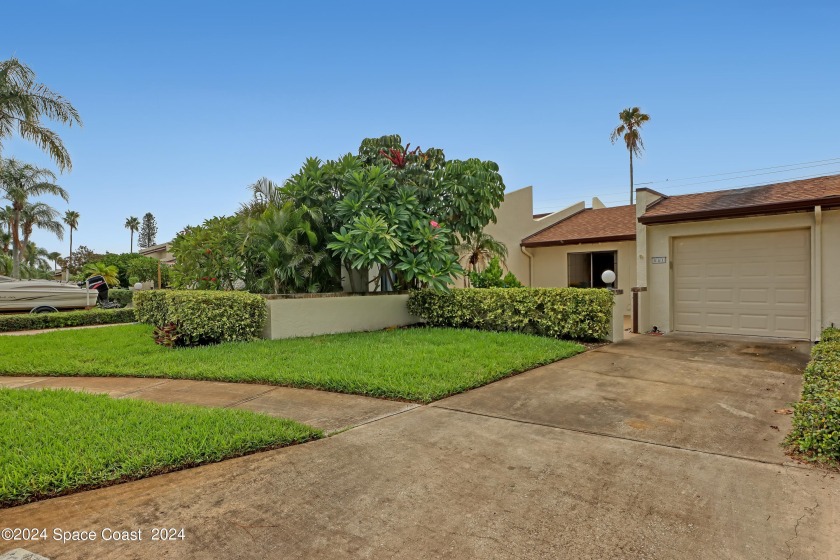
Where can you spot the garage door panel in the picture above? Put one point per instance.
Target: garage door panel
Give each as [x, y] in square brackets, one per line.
[746, 283]
[720, 319]
[754, 295]
[795, 296]
[720, 295]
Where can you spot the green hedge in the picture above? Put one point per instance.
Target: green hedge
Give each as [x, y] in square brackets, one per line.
[123, 297]
[34, 321]
[203, 316]
[577, 313]
[816, 417]
[150, 307]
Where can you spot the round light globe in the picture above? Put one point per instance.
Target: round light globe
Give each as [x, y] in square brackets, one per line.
[608, 276]
[138, 286]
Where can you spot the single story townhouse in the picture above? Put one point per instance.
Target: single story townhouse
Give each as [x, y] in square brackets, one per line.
[756, 261]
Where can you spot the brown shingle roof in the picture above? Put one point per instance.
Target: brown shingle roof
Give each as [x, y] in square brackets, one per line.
[592, 225]
[766, 199]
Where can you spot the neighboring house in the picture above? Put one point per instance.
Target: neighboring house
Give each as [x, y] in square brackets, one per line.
[161, 252]
[757, 261]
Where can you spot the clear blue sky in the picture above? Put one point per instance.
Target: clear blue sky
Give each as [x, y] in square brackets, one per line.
[185, 104]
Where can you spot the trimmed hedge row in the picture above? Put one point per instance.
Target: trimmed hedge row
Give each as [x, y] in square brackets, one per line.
[577, 313]
[203, 316]
[816, 417]
[34, 321]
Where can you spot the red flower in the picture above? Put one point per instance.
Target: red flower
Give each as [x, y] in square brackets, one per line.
[434, 224]
[208, 251]
[212, 279]
[205, 278]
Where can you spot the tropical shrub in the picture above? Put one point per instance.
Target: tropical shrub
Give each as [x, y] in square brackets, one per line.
[491, 277]
[284, 253]
[121, 296]
[195, 317]
[209, 256]
[138, 267]
[33, 321]
[577, 313]
[816, 417]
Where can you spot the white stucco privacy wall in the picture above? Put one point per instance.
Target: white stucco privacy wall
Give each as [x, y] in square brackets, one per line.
[305, 315]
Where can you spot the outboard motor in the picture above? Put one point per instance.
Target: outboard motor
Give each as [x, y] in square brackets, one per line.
[98, 283]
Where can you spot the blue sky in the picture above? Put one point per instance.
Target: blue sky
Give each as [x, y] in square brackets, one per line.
[186, 103]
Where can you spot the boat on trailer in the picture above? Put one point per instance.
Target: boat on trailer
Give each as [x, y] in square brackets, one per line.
[41, 296]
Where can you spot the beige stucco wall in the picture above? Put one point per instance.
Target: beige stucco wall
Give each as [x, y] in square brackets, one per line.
[551, 267]
[515, 221]
[309, 316]
[830, 265]
[825, 261]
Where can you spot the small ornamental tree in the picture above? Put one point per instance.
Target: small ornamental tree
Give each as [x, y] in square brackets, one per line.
[382, 204]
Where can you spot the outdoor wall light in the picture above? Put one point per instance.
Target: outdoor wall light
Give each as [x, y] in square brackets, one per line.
[608, 276]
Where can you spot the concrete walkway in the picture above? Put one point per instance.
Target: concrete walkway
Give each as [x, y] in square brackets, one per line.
[327, 411]
[604, 455]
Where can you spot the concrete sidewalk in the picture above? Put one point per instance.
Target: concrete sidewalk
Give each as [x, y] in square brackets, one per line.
[327, 411]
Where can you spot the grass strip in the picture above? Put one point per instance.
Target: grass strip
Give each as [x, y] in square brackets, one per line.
[417, 364]
[56, 441]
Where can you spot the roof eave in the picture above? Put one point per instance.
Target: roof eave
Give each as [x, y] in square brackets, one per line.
[744, 211]
[580, 241]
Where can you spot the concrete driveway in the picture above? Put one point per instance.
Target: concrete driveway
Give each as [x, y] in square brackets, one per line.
[655, 448]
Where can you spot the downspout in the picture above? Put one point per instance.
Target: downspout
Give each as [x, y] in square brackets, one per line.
[818, 269]
[530, 265]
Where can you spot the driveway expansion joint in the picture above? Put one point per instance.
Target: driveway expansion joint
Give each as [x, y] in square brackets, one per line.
[625, 438]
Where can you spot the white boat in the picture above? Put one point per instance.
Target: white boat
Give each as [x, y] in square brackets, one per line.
[43, 295]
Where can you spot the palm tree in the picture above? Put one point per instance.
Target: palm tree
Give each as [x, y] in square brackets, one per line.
[20, 181]
[632, 120]
[284, 245]
[23, 102]
[132, 224]
[480, 248]
[42, 216]
[54, 256]
[71, 218]
[109, 272]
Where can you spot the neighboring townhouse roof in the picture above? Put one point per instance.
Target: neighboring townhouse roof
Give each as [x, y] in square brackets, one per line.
[766, 199]
[592, 225]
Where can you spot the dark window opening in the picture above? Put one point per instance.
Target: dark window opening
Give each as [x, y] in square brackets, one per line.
[585, 269]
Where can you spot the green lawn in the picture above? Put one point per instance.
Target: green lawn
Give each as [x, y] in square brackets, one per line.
[55, 441]
[421, 364]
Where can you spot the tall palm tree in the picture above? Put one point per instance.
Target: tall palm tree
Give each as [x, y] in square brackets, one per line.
[132, 224]
[632, 120]
[18, 182]
[71, 218]
[42, 216]
[23, 102]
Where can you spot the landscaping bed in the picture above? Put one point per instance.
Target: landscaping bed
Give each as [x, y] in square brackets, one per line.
[415, 364]
[816, 417]
[56, 441]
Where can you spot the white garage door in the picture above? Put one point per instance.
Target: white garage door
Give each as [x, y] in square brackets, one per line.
[748, 284]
